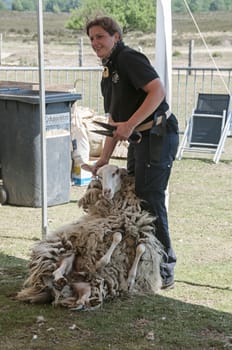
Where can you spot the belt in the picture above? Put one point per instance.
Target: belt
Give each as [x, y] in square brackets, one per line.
[145, 126]
[148, 125]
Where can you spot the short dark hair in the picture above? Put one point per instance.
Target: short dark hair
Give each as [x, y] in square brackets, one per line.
[107, 23]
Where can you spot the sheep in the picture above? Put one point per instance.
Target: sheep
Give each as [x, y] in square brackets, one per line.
[109, 251]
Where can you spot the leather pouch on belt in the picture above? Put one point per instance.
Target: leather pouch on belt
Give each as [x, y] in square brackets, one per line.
[157, 132]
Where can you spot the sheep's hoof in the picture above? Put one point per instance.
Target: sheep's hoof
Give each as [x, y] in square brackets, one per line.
[94, 303]
[60, 283]
[79, 307]
[131, 285]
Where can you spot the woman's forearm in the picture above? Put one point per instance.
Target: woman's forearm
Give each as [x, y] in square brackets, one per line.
[108, 149]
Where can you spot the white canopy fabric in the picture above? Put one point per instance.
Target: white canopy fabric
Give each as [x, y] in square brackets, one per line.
[163, 52]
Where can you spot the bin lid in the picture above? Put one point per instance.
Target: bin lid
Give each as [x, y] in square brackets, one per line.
[7, 89]
[33, 97]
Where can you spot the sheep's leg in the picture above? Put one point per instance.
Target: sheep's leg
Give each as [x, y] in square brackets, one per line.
[64, 269]
[105, 259]
[83, 290]
[133, 271]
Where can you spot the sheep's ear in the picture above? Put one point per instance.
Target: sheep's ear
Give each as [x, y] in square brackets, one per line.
[99, 171]
[123, 172]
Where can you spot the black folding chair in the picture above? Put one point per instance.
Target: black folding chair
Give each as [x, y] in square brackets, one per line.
[208, 126]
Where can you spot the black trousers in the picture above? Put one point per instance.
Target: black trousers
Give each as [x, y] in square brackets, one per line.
[151, 180]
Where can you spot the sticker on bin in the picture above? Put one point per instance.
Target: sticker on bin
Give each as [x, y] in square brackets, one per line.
[57, 124]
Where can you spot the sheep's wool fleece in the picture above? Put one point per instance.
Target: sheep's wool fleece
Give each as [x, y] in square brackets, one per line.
[89, 238]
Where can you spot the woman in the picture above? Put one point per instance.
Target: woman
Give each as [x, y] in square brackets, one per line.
[134, 99]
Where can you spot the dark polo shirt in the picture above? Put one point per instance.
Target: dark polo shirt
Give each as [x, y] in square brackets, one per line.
[126, 72]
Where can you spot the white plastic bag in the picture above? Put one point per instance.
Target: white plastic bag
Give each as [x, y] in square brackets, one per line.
[80, 141]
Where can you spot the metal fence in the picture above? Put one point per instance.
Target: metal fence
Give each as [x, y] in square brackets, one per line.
[186, 84]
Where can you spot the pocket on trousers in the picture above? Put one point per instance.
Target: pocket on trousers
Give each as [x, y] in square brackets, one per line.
[155, 147]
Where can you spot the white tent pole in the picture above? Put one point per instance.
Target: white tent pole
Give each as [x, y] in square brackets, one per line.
[163, 54]
[42, 120]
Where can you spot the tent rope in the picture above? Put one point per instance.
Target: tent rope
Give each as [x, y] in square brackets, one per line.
[207, 48]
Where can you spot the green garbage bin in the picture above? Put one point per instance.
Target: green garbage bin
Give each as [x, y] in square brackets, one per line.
[20, 146]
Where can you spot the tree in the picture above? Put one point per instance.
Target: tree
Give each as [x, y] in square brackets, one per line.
[131, 14]
[228, 4]
[17, 5]
[49, 5]
[23, 5]
[202, 5]
[2, 5]
[217, 5]
[178, 6]
[60, 5]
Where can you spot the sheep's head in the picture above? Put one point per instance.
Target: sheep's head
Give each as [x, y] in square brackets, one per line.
[111, 178]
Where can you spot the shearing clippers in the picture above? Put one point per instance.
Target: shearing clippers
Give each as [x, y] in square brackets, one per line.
[135, 137]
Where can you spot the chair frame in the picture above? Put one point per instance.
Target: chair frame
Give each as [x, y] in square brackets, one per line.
[223, 119]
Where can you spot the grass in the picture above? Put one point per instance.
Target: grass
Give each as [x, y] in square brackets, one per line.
[197, 314]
